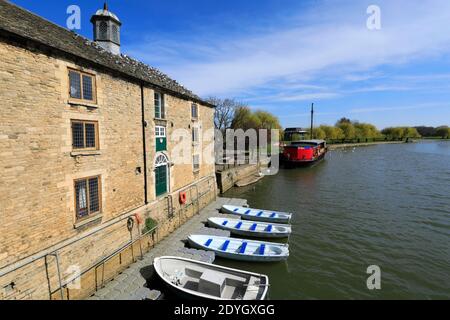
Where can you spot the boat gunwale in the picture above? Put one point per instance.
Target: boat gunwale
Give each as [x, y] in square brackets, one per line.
[283, 246]
[203, 295]
[282, 216]
[288, 227]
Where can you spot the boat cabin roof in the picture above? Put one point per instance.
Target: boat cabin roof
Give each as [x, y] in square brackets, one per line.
[294, 130]
[309, 142]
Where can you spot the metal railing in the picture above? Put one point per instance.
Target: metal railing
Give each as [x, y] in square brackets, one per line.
[54, 250]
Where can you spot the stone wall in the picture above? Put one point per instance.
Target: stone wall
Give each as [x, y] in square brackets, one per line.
[227, 178]
[38, 168]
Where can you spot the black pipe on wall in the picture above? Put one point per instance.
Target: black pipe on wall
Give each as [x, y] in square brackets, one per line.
[144, 143]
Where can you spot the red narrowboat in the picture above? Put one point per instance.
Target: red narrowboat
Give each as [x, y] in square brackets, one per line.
[302, 152]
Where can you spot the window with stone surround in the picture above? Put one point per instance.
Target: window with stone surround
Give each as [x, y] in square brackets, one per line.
[84, 135]
[194, 111]
[195, 133]
[159, 106]
[87, 197]
[82, 86]
[196, 162]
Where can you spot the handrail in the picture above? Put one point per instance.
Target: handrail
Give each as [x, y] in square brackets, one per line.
[53, 250]
[65, 243]
[106, 259]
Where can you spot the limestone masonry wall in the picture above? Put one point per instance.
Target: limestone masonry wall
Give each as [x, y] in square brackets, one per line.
[38, 167]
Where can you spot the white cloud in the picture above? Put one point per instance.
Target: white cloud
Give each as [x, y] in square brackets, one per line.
[283, 97]
[336, 41]
[398, 108]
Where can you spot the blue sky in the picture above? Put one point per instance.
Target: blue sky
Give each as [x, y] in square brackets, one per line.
[280, 56]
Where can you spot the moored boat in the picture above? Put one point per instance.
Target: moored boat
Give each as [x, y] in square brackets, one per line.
[252, 229]
[199, 280]
[304, 152]
[257, 214]
[241, 249]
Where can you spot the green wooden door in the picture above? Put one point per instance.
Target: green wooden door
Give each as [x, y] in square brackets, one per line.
[161, 144]
[161, 138]
[161, 180]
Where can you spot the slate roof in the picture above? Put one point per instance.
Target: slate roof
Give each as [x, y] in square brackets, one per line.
[24, 24]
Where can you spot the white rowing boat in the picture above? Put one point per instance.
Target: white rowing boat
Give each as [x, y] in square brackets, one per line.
[241, 249]
[199, 280]
[257, 214]
[250, 228]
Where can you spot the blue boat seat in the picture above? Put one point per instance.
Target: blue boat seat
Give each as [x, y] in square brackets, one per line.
[269, 228]
[260, 213]
[225, 223]
[253, 227]
[207, 243]
[273, 214]
[248, 211]
[236, 210]
[238, 226]
[225, 245]
[243, 247]
[262, 248]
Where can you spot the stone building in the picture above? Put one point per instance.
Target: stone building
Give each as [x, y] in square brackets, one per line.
[90, 169]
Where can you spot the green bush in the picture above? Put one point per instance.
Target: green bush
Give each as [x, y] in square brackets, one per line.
[149, 225]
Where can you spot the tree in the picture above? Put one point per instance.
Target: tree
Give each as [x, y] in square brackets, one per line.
[366, 130]
[319, 133]
[443, 132]
[244, 119]
[401, 132]
[332, 133]
[348, 129]
[328, 130]
[409, 132]
[426, 131]
[224, 113]
[267, 120]
[343, 120]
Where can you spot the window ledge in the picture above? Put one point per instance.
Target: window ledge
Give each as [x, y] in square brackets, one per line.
[160, 119]
[82, 103]
[195, 144]
[161, 196]
[85, 153]
[88, 220]
[194, 119]
[196, 170]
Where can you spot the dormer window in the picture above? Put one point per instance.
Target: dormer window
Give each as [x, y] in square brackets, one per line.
[159, 106]
[82, 86]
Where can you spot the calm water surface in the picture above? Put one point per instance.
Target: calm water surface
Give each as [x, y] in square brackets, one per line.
[385, 205]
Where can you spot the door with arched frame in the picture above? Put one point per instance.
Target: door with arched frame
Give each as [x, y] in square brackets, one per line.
[161, 174]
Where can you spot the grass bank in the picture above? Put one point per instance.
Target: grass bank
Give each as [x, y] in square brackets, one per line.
[360, 144]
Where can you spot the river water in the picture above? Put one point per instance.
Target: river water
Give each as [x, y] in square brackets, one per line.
[384, 205]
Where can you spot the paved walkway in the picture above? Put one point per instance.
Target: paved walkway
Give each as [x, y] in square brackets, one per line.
[131, 283]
